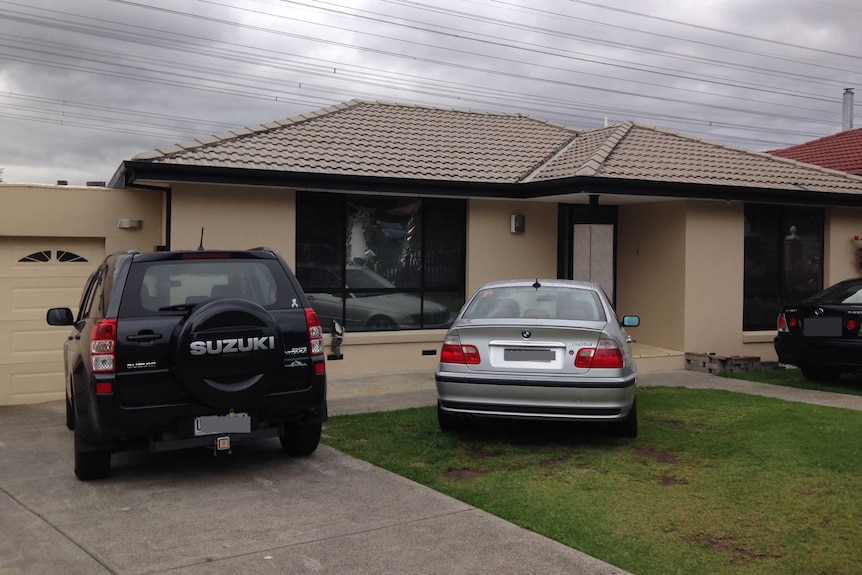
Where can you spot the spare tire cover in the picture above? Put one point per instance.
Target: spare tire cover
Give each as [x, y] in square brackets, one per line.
[228, 351]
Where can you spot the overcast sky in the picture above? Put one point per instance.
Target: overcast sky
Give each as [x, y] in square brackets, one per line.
[86, 84]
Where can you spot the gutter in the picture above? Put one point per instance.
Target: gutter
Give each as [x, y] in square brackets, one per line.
[132, 172]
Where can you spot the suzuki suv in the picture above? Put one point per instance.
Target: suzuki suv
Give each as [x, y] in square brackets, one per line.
[181, 349]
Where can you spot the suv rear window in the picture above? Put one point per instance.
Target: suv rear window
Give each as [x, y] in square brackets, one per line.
[169, 286]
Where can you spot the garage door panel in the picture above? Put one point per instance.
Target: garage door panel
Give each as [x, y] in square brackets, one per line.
[50, 275]
[35, 342]
[32, 301]
[30, 383]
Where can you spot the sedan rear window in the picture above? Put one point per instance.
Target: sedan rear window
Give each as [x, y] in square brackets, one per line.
[547, 302]
[841, 293]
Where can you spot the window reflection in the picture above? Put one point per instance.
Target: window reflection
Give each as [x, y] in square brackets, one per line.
[381, 263]
[783, 260]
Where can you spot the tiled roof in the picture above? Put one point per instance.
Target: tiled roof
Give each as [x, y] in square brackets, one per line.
[842, 151]
[361, 138]
[385, 140]
[638, 152]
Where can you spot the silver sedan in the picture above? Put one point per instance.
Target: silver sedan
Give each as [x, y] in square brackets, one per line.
[538, 349]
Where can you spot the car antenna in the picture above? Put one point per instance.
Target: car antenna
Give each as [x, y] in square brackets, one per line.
[537, 285]
[201, 245]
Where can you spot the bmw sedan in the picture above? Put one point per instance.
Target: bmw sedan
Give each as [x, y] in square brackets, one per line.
[549, 350]
[821, 335]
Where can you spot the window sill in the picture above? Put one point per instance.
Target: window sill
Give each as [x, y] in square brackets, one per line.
[384, 337]
[758, 336]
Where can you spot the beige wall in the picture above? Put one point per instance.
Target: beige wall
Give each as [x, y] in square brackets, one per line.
[495, 253]
[651, 279]
[234, 218]
[840, 251]
[46, 211]
[714, 238]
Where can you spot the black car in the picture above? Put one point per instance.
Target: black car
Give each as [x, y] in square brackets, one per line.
[821, 335]
[181, 349]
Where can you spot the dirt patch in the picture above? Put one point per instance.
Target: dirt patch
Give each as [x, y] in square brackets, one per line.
[480, 451]
[659, 455]
[462, 474]
[553, 463]
[738, 553]
[668, 480]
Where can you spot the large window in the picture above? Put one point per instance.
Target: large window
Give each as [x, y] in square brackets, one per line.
[783, 260]
[381, 263]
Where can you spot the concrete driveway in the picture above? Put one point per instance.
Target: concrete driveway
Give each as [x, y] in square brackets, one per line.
[256, 511]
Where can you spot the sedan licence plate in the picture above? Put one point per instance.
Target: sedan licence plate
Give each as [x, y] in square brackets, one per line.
[212, 424]
[822, 326]
[528, 354]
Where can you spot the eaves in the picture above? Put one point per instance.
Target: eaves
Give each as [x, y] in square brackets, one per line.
[137, 174]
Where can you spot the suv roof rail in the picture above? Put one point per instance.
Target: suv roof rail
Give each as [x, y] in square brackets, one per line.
[260, 249]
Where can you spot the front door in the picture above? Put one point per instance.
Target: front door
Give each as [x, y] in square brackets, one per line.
[593, 255]
[587, 246]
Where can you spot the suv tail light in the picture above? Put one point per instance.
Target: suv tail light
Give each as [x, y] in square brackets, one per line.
[315, 339]
[454, 352]
[315, 332]
[782, 323]
[606, 355]
[103, 346]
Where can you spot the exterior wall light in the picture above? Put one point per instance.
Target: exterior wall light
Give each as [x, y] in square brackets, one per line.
[126, 224]
[518, 223]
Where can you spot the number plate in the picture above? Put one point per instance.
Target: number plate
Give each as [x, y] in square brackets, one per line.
[822, 326]
[212, 424]
[528, 354]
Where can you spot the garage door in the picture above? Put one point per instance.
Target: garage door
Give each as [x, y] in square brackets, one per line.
[35, 274]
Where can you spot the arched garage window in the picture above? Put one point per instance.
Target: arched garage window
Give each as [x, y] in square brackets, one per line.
[382, 263]
[45, 256]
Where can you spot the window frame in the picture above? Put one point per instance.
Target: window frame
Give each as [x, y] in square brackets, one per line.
[773, 289]
[328, 239]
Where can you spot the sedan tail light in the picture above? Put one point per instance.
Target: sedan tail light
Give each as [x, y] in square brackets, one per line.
[606, 355]
[454, 352]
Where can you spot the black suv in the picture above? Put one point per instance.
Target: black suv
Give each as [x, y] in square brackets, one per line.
[180, 349]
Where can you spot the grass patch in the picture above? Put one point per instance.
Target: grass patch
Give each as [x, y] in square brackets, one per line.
[716, 483]
[850, 384]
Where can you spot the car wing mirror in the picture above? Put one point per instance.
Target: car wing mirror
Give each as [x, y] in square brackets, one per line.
[631, 321]
[60, 316]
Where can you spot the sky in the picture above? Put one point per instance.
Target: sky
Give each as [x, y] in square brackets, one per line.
[87, 84]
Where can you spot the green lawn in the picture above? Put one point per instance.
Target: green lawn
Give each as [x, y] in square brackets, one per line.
[716, 483]
[847, 383]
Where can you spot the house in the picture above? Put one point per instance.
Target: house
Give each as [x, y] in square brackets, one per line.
[841, 151]
[392, 214]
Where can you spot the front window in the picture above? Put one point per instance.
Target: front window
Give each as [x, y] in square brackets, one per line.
[783, 260]
[381, 263]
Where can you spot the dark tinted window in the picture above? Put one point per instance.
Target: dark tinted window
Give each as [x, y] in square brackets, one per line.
[379, 263]
[783, 260]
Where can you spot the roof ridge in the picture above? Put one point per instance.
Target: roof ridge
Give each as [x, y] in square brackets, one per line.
[592, 166]
[235, 133]
[466, 111]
